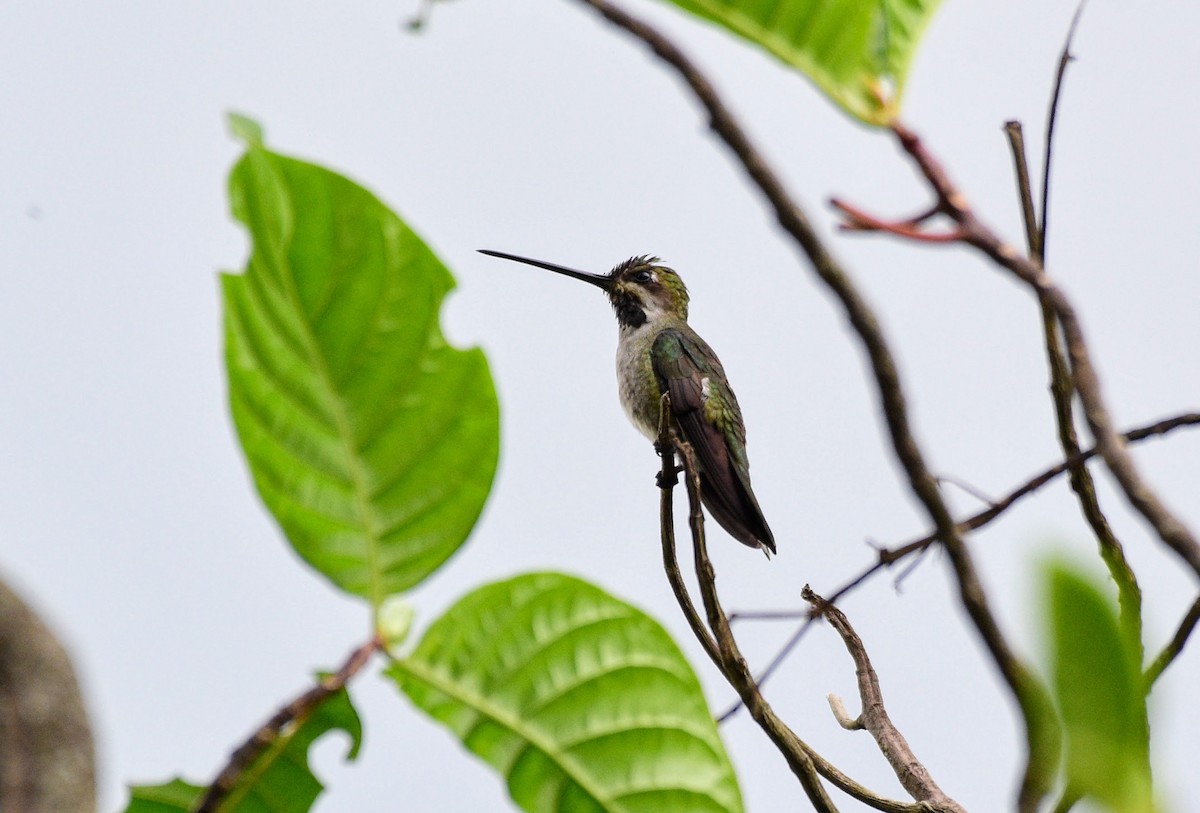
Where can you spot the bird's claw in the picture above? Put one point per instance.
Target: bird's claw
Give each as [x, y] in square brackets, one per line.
[666, 479]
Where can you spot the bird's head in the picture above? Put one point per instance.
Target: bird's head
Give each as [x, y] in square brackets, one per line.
[640, 289]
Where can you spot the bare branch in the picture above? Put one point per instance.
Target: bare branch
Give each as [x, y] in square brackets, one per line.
[967, 488]
[1062, 387]
[1087, 382]
[842, 716]
[765, 615]
[891, 393]
[730, 658]
[1016, 142]
[874, 718]
[774, 665]
[294, 712]
[1064, 59]
[668, 477]
[803, 760]
[889, 556]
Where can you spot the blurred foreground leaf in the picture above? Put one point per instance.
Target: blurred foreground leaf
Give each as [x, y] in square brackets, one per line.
[580, 701]
[1098, 684]
[175, 796]
[857, 51]
[371, 440]
[279, 781]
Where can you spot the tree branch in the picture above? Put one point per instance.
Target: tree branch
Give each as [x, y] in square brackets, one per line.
[1031, 697]
[1062, 387]
[886, 557]
[1174, 647]
[805, 762]
[668, 477]
[1016, 142]
[1064, 59]
[294, 712]
[723, 650]
[874, 718]
[1087, 382]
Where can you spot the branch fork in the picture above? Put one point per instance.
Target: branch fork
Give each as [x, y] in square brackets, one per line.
[912, 228]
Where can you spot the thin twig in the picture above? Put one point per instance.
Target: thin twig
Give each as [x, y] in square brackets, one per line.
[773, 666]
[765, 615]
[1062, 387]
[967, 488]
[889, 556]
[1064, 59]
[842, 716]
[886, 557]
[1016, 142]
[1174, 647]
[734, 665]
[293, 713]
[800, 756]
[1116, 457]
[1145, 501]
[913, 775]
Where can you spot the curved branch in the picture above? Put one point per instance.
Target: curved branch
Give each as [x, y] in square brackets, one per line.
[1116, 456]
[1064, 60]
[1041, 733]
[805, 762]
[874, 717]
[1174, 646]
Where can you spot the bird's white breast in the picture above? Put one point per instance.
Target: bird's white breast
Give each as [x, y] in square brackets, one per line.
[636, 383]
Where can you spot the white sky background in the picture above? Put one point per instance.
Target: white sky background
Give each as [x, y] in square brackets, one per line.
[128, 516]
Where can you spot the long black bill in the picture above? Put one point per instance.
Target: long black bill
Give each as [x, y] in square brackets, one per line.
[602, 281]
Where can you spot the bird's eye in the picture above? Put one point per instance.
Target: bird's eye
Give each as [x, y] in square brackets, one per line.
[643, 276]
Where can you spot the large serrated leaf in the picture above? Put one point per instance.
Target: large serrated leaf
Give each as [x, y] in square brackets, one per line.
[371, 440]
[580, 701]
[1098, 684]
[278, 781]
[856, 51]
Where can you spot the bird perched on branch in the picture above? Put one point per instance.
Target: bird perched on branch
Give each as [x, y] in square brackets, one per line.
[657, 353]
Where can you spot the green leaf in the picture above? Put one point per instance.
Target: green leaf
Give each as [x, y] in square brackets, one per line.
[246, 129]
[580, 701]
[1097, 680]
[371, 440]
[278, 781]
[856, 51]
[176, 796]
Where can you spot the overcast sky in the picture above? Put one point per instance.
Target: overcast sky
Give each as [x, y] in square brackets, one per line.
[128, 516]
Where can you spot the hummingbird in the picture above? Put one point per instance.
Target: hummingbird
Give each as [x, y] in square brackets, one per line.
[658, 352]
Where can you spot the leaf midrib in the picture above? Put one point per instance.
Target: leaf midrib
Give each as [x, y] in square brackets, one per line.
[274, 752]
[482, 705]
[358, 479]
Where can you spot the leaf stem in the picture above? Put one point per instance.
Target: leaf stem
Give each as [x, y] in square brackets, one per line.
[266, 735]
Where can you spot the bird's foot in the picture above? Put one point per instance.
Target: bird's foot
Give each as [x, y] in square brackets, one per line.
[668, 479]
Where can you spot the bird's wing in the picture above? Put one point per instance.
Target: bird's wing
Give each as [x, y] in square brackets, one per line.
[705, 410]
